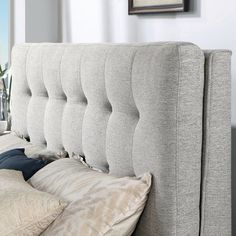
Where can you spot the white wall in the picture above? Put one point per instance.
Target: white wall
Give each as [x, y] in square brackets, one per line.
[210, 24]
[18, 21]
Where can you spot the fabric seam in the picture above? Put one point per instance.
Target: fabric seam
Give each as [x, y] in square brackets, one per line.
[43, 81]
[177, 141]
[108, 52]
[26, 76]
[131, 87]
[80, 79]
[208, 141]
[65, 103]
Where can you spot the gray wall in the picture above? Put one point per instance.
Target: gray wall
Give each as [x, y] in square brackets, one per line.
[42, 21]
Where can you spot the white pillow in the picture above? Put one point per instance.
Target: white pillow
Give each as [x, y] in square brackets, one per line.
[99, 204]
[25, 211]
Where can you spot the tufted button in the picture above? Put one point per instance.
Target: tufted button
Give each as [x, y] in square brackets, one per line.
[64, 97]
[29, 93]
[108, 106]
[134, 112]
[138, 114]
[85, 100]
[46, 94]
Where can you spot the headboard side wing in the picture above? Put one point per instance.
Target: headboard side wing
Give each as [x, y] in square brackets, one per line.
[216, 162]
[168, 139]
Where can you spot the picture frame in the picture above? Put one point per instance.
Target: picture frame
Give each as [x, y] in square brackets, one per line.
[156, 6]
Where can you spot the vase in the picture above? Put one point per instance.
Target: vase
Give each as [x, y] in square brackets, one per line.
[3, 106]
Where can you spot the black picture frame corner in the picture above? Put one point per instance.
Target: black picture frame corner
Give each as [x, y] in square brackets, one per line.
[158, 9]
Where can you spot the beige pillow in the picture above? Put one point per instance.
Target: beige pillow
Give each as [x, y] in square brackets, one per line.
[46, 155]
[99, 204]
[25, 211]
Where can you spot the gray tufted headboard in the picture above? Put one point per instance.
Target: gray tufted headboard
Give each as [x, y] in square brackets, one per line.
[162, 107]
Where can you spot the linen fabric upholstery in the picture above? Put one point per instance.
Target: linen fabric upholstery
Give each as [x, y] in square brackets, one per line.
[99, 204]
[128, 109]
[216, 191]
[17, 160]
[25, 211]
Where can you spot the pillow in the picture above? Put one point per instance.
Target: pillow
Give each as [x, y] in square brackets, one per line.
[16, 160]
[99, 204]
[11, 141]
[37, 152]
[24, 210]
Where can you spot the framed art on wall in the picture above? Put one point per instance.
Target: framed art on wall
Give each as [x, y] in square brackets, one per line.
[153, 6]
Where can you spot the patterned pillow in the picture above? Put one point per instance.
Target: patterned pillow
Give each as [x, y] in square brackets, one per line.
[25, 211]
[99, 204]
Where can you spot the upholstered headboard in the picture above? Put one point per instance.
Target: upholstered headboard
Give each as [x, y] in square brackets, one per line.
[131, 109]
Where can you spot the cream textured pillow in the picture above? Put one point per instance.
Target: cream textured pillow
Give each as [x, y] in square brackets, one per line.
[24, 211]
[99, 204]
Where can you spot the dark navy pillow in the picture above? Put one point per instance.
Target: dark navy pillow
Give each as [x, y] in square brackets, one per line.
[17, 160]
